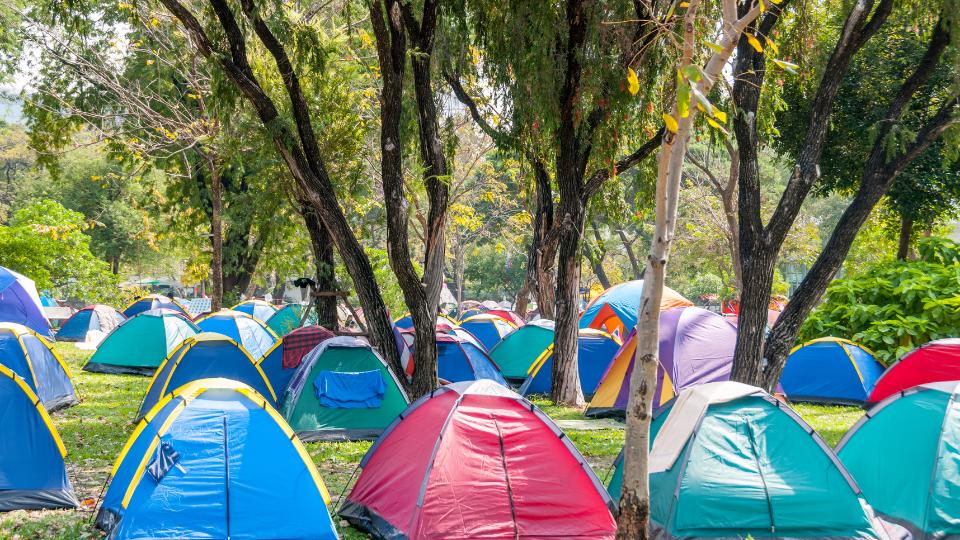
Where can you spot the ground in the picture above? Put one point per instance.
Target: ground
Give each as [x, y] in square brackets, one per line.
[95, 430]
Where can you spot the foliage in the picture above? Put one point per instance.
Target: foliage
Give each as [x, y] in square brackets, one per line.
[893, 307]
[702, 286]
[493, 272]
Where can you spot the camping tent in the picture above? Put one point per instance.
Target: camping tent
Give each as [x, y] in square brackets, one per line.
[905, 454]
[32, 470]
[95, 318]
[523, 348]
[37, 362]
[475, 460]
[258, 309]
[250, 333]
[214, 460]
[696, 346]
[20, 303]
[406, 322]
[616, 309]
[205, 356]
[151, 302]
[487, 328]
[460, 360]
[506, 314]
[830, 370]
[933, 362]
[730, 461]
[286, 319]
[342, 390]
[141, 343]
[595, 350]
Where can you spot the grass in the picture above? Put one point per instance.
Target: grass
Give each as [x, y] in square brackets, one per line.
[95, 430]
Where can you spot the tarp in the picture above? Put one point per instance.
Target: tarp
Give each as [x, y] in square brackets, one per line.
[20, 303]
[905, 455]
[595, 350]
[93, 318]
[240, 472]
[933, 362]
[252, 334]
[487, 328]
[32, 357]
[33, 474]
[752, 467]
[616, 309]
[151, 302]
[258, 309]
[206, 355]
[141, 343]
[696, 346]
[312, 419]
[830, 370]
[478, 461]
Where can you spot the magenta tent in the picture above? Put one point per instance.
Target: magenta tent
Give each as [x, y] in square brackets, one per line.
[476, 460]
[696, 346]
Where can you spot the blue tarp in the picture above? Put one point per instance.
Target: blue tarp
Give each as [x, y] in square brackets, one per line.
[350, 390]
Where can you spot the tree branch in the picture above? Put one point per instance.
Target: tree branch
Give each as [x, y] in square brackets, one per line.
[595, 182]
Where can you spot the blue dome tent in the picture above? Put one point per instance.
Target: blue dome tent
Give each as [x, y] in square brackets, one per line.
[97, 318]
[830, 370]
[32, 470]
[35, 360]
[252, 334]
[20, 303]
[215, 460]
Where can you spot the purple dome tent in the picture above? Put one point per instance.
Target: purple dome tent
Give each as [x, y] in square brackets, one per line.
[20, 303]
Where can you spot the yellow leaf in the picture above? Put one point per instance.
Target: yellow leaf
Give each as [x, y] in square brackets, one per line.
[633, 84]
[763, 7]
[754, 42]
[720, 115]
[715, 125]
[715, 47]
[771, 45]
[684, 4]
[149, 62]
[671, 123]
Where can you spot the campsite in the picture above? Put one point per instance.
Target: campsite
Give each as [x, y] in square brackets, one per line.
[474, 269]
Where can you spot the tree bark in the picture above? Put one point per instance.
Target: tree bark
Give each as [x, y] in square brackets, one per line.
[906, 230]
[542, 254]
[628, 247]
[321, 246]
[595, 256]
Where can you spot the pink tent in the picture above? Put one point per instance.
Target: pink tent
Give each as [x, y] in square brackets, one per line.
[475, 460]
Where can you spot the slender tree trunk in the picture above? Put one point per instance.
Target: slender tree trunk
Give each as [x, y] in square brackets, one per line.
[216, 235]
[906, 230]
[595, 256]
[522, 299]
[566, 373]
[321, 245]
[628, 247]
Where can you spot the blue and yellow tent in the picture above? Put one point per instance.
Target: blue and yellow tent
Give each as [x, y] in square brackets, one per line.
[206, 355]
[97, 318]
[830, 370]
[252, 334]
[258, 309]
[32, 357]
[33, 474]
[487, 328]
[151, 302]
[213, 459]
[595, 350]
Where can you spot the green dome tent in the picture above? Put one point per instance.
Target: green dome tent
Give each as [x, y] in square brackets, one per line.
[141, 343]
[286, 319]
[905, 454]
[522, 348]
[729, 460]
[342, 390]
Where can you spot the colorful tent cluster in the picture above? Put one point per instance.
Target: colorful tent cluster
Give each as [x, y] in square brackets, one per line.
[151, 302]
[20, 303]
[33, 474]
[830, 370]
[478, 461]
[32, 357]
[342, 390]
[933, 362]
[258, 309]
[616, 309]
[595, 350]
[206, 355]
[252, 334]
[97, 319]
[696, 346]
[730, 461]
[905, 455]
[215, 460]
[488, 328]
[142, 343]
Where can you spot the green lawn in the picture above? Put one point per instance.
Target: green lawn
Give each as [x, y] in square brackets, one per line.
[95, 431]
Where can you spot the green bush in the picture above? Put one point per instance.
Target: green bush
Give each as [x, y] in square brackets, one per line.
[894, 307]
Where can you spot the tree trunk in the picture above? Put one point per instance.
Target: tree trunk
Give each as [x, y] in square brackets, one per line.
[321, 245]
[628, 247]
[216, 235]
[595, 256]
[522, 299]
[566, 373]
[906, 230]
[543, 246]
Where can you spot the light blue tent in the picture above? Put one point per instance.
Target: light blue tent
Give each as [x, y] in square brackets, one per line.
[37, 362]
[258, 309]
[250, 333]
[830, 370]
[32, 470]
[206, 355]
[595, 351]
[215, 460]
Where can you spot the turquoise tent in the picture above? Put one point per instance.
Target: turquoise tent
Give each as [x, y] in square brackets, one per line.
[141, 343]
[32, 357]
[905, 454]
[215, 460]
[286, 319]
[206, 355]
[33, 474]
[736, 462]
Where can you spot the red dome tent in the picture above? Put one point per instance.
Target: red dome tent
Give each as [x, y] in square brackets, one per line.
[479, 461]
[933, 362]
